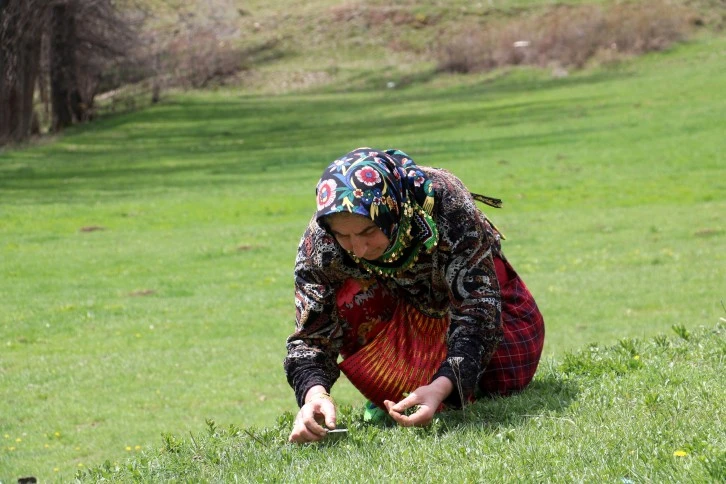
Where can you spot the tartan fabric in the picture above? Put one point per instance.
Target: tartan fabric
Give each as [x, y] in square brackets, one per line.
[513, 364]
[390, 348]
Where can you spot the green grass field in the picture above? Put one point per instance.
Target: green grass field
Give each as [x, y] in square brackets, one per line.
[634, 412]
[146, 264]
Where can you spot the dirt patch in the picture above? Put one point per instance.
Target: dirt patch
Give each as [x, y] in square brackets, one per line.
[92, 228]
[708, 232]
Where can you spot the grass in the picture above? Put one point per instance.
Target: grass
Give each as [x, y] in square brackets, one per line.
[146, 270]
[634, 412]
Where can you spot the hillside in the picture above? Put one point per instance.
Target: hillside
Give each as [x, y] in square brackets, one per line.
[374, 44]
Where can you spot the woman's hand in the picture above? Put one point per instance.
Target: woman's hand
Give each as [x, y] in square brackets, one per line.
[428, 398]
[319, 408]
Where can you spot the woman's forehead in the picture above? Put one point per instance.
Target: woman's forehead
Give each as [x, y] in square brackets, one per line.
[344, 221]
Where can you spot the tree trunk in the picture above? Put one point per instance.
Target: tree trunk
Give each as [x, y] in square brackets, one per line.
[27, 78]
[20, 33]
[65, 94]
[6, 47]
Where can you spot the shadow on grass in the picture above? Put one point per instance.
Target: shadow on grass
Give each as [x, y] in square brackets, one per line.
[545, 397]
[511, 80]
[202, 142]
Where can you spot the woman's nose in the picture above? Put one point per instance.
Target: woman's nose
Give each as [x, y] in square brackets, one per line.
[359, 246]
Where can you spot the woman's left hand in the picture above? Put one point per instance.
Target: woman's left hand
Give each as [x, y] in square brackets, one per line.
[428, 398]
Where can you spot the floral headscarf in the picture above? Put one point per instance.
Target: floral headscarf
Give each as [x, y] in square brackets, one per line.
[387, 187]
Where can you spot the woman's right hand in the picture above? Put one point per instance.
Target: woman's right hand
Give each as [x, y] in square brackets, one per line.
[319, 408]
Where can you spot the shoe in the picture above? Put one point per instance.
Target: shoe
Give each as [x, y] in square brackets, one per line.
[374, 414]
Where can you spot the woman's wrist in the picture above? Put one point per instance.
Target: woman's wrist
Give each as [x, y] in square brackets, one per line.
[442, 386]
[318, 391]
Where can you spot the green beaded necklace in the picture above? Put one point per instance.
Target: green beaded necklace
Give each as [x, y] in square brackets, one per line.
[401, 247]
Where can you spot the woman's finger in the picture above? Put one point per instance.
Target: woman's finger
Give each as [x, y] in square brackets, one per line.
[400, 419]
[327, 409]
[303, 435]
[408, 402]
[395, 410]
[313, 426]
[422, 417]
[306, 427]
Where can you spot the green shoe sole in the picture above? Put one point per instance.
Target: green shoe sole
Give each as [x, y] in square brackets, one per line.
[374, 414]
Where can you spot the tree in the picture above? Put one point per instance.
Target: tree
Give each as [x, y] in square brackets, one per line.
[83, 38]
[64, 93]
[21, 22]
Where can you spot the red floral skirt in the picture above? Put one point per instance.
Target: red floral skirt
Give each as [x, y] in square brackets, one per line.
[390, 348]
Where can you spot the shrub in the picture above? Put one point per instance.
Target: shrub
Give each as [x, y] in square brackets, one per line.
[565, 36]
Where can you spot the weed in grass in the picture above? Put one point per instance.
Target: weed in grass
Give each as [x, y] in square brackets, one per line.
[715, 464]
[681, 331]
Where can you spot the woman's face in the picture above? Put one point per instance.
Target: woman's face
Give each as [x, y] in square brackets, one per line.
[358, 235]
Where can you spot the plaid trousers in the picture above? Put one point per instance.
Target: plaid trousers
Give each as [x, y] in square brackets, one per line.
[515, 361]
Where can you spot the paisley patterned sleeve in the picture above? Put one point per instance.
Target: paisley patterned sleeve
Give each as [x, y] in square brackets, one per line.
[312, 350]
[474, 295]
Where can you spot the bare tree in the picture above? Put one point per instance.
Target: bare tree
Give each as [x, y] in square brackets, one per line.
[82, 39]
[21, 23]
[88, 38]
[65, 96]
[63, 53]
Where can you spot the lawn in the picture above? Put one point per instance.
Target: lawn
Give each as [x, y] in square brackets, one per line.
[633, 412]
[146, 259]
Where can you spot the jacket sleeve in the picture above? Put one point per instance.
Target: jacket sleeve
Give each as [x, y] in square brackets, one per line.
[312, 350]
[475, 298]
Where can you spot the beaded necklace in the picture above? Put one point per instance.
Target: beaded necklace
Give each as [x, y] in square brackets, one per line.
[401, 256]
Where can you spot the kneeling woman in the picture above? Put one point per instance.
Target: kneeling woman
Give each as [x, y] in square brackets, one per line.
[403, 276]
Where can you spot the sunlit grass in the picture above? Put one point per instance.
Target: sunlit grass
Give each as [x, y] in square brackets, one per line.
[638, 411]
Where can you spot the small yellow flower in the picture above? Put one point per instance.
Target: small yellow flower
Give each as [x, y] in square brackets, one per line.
[47, 446]
[78, 448]
[80, 465]
[680, 453]
[55, 469]
[57, 434]
[138, 447]
[636, 357]
[18, 440]
[128, 448]
[11, 448]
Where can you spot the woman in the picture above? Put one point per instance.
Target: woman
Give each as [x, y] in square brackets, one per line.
[403, 276]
